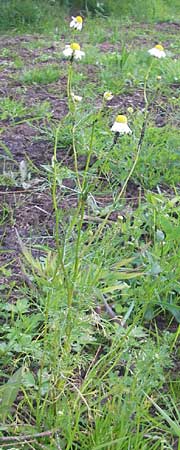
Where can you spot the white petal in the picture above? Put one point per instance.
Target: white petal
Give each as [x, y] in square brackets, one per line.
[78, 54]
[157, 53]
[67, 51]
[108, 96]
[76, 98]
[72, 24]
[163, 54]
[79, 26]
[121, 128]
[128, 130]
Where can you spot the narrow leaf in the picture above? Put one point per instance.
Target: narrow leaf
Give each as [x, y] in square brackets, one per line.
[9, 391]
[175, 427]
[116, 287]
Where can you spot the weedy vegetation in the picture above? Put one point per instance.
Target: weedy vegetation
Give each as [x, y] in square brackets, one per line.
[89, 226]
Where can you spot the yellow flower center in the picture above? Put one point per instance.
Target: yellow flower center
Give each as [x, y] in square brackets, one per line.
[121, 119]
[74, 46]
[79, 19]
[108, 95]
[159, 47]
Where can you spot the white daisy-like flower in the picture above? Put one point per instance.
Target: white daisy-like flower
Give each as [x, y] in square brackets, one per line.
[108, 96]
[120, 125]
[157, 51]
[76, 23]
[76, 98]
[73, 50]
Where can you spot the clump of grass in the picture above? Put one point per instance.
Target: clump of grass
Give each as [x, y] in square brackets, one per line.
[11, 108]
[17, 110]
[44, 75]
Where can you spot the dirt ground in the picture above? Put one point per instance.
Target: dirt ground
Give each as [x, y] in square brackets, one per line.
[29, 211]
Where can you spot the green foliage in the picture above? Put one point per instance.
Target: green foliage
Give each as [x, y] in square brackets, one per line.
[40, 15]
[8, 393]
[18, 14]
[89, 330]
[160, 158]
[45, 75]
[10, 108]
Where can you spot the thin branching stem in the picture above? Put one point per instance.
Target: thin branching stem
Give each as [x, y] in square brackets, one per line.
[139, 145]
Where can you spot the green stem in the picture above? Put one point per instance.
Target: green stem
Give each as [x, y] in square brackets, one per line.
[100, 229]
[71, 102]
[77, 259]
[54, 188]
[82, 204]
[88, 156]
[80, 210]
[146, 81]
[75, 158]
[60, 249]
[69, 79]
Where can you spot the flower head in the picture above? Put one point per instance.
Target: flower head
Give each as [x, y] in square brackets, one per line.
[157, 51]
[76, 23]
[120, 125]
[73, 50]
[76, 98]
[130, 110]
[108, 96]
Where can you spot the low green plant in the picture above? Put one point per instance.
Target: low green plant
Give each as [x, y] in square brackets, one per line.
[18, 14]
[45, 75]
[11, 108]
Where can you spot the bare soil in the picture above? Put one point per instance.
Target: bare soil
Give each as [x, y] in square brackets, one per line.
[29, 211]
